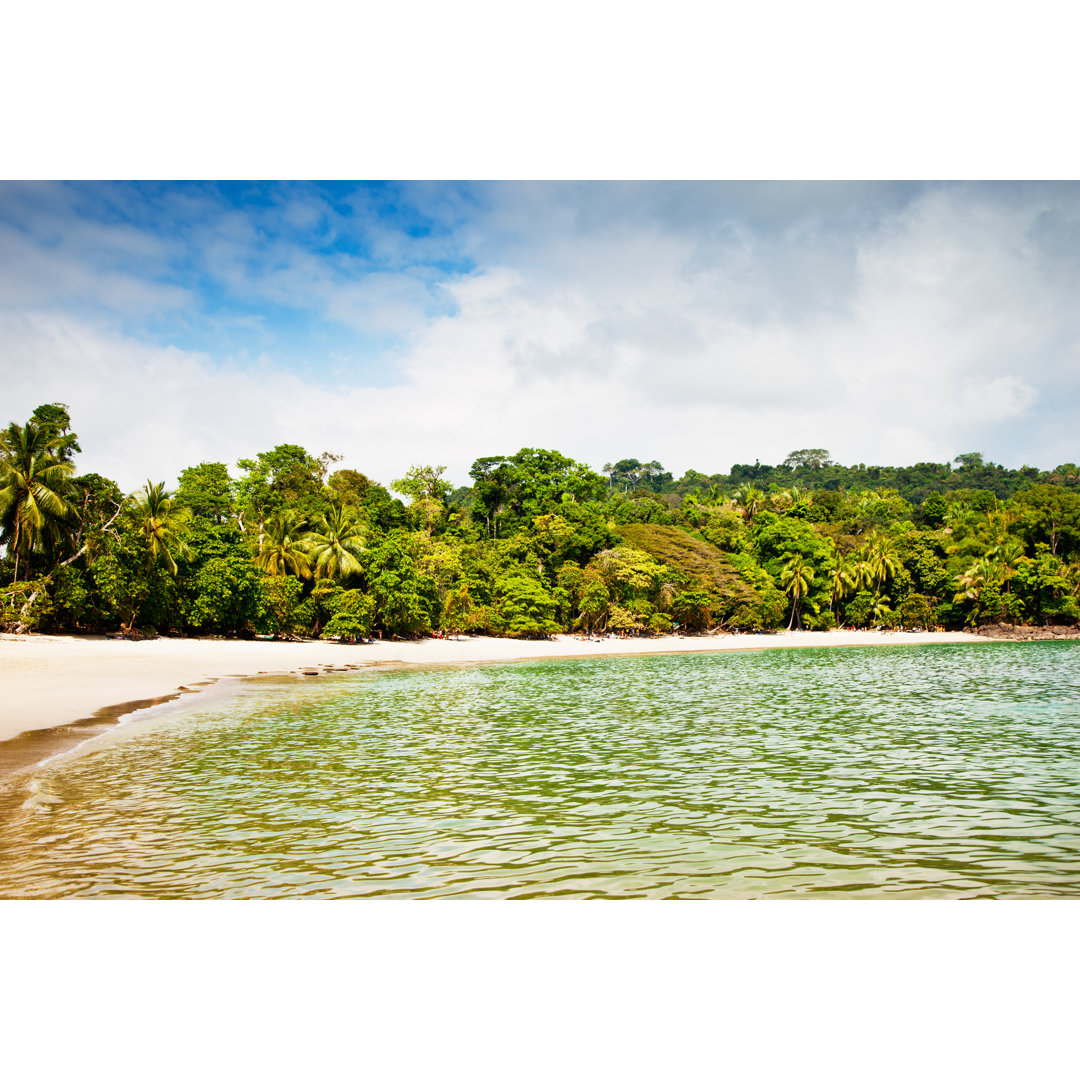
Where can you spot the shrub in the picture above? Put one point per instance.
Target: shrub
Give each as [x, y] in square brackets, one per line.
[280, 596]
[824, 620]
[353, 615]
[526, 609]
[23, 606]
[915, 611]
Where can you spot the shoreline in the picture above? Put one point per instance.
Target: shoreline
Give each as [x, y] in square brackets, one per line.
[61, 691]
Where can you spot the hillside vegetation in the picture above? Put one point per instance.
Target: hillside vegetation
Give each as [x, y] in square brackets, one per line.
[537, 543]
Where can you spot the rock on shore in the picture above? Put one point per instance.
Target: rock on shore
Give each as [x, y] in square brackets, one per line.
[1004, 631]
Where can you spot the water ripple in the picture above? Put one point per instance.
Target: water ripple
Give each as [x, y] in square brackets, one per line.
[909, 772]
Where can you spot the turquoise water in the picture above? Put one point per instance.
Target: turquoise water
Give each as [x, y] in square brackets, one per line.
[929, 771]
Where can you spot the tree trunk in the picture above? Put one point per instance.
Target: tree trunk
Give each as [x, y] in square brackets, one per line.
[82, 550]
[22, 627]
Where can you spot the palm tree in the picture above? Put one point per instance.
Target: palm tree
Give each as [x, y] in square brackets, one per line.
[748, 499]
[787, 499]
[957, 516]
[877, 562]
[884, 559]
[796, 577]
[969, 584]
[715, 494]
[34, 489]
[1072, 576]
[162, 523]
[781, 500]
[867, 501]
[880, 608]
[841, 578]
[863, 573]
[283, 545]
[336, 542]
[1006, 555]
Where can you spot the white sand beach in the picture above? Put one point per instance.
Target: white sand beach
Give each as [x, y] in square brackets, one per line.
[48, 681]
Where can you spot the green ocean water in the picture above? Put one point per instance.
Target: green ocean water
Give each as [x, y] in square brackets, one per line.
[925, 771]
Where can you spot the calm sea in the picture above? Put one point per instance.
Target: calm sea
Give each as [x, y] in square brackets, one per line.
[926, 771]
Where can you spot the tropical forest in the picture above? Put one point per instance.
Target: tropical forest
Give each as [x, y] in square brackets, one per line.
[285, 544]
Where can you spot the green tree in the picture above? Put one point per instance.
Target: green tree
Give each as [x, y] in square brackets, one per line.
[692, 607]
[1045, 586]
[1005, 556]
[796, 577]
[884, 559]
[655, 477]
[748, 501]
[915, 611]
[594, 602]
[348, 487]
[125, 582]
[353, 616]
[495, 483]
[162, 523]
[207, 490]
[283, 545]
[424, 486]
[859, 610]
[226, 595]
[630, 573]
[23, 606]
[807, 459]
[287, 477]
[628, 472]
[970, 586]
[970, 461]
[336, 542]
[1051, 514]
[35, 488]
[777, 539]
[934, 509]
[527, 608]
[510, 493]
[404, 600]
[458, 607]
[551, 535]
[880, 611]
[280, 598]
[841, 579]
[56, 420]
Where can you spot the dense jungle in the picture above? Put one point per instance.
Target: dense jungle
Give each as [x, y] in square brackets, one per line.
[537, 544]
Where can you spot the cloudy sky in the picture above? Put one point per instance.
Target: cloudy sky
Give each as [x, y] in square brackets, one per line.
[397, 324]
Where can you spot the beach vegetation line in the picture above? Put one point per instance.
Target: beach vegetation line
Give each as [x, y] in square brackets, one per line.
[536, 544]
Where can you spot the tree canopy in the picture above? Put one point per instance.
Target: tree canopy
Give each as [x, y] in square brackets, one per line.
[536, 543]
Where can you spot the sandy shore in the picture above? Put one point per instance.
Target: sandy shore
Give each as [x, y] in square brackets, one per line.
[48, 681]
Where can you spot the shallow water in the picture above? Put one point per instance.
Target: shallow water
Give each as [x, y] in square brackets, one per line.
[933, 771]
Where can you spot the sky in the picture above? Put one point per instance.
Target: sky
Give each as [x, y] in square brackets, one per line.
[396, 324]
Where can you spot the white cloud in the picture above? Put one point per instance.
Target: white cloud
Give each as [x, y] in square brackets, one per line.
[908, 329]
[993, 400]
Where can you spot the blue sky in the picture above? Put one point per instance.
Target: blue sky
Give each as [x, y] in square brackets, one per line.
[318, 276]
[400, 324]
